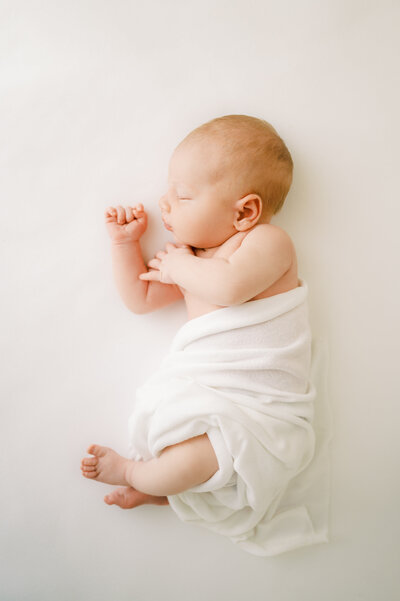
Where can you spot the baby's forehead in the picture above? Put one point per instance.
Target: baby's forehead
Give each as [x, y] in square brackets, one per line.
[199, 161]
[198, 143]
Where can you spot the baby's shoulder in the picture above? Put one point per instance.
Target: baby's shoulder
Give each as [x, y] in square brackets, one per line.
[269, 234]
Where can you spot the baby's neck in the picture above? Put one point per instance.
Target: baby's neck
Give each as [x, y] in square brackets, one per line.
[225, 249]
[205, 252]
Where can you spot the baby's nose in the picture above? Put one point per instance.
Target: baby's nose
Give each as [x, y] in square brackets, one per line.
[163, 203]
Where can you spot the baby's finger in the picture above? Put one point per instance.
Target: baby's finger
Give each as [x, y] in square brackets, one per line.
[110, 212]
[150, 275]
[170, 246]
[129, 214]
[155, 263]
[138, 210]
[121, 214]
[161, 254]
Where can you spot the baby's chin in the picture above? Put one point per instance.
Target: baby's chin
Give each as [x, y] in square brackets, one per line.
[187, 242]
[178, 240]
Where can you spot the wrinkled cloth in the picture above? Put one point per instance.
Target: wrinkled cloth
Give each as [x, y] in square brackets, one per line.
[245, 375]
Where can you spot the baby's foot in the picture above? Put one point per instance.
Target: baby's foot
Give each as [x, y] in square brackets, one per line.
[128, 498]
[106, 465]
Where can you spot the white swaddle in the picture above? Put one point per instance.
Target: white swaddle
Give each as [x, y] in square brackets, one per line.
[241, 374]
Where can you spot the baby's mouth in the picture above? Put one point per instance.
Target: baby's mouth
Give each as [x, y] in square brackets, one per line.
[167, 225]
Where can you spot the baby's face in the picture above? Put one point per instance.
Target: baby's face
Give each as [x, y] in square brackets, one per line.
[198, 205]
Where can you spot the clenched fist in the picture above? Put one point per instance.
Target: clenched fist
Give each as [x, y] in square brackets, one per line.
[126, 225]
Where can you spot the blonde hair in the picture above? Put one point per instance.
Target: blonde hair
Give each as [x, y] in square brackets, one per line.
[255, 153]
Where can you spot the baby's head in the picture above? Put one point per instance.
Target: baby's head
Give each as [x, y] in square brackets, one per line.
[226, 176]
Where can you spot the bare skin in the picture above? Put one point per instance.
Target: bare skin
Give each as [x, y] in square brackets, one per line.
[128, 498]
[177, 468]
[107, 466]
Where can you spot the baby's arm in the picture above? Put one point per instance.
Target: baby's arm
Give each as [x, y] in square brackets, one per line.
[125, 227]
[265, 254]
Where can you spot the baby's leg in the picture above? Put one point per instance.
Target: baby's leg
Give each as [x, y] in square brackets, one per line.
[178, 467]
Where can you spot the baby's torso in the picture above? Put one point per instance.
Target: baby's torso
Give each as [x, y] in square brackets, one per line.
[196, 306]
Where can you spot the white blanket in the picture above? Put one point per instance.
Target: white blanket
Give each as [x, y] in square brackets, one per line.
[241, 374]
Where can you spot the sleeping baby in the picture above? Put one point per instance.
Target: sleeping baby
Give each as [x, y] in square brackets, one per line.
[223, 429]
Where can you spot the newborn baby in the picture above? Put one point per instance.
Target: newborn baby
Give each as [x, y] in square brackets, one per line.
[227, 179]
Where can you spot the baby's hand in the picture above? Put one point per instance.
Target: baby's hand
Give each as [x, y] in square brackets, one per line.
[126, 225]
[159, 264]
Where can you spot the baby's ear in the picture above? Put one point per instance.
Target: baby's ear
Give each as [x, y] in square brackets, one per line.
[248, 212]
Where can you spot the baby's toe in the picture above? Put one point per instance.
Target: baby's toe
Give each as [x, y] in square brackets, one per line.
[92, 474]
[89, 468]
[86, 461]
[95, 449]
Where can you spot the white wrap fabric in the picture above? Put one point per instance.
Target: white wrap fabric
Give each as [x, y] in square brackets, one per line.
[246, 376]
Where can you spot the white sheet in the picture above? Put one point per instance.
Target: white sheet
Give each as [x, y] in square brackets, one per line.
[246, 376]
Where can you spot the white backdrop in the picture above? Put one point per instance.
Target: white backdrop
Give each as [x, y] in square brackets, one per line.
[95, 94]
